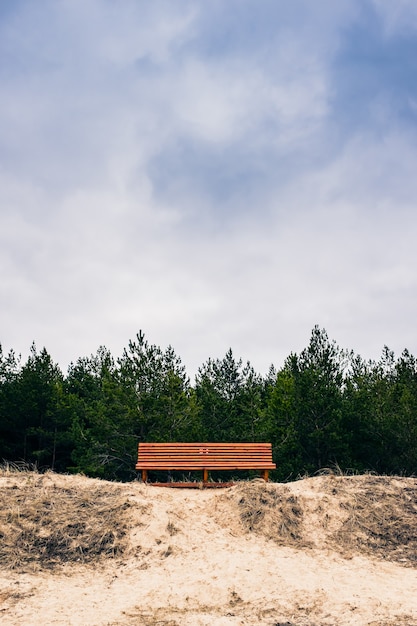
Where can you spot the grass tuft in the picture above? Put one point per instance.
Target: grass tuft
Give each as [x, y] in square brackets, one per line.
[269, 510]
[45, 524]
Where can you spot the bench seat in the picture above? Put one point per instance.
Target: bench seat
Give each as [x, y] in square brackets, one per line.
[204, 457]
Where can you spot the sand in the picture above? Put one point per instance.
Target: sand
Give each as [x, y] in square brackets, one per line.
[327, 550]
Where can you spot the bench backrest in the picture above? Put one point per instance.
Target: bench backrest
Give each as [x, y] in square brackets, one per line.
[190, 456]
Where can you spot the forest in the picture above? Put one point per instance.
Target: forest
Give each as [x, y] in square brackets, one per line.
[325, 409]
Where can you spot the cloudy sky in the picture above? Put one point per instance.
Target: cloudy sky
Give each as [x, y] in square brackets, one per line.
[217, 173]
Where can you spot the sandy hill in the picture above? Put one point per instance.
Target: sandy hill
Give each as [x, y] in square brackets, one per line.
[328, 550]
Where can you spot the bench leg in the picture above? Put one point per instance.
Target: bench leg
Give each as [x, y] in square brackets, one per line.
[144, 475]
[265, 474]
[205, 475]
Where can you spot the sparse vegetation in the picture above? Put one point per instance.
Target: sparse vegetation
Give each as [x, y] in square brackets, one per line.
[171, 553]
[380, 517]
[374, 515]
[45, 522]
[270, 510]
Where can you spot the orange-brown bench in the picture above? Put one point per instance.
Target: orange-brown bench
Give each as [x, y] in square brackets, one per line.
[205, 457]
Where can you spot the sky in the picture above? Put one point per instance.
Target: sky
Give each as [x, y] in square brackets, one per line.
[216, 173]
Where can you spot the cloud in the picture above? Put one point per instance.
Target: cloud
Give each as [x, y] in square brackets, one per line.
[372, 74]
[216, 174]
[398, 18]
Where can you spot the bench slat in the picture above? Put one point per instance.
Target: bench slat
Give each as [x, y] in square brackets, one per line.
[212, 466]
[205, 444]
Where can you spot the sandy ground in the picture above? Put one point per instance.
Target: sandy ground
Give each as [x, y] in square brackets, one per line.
[199, 558]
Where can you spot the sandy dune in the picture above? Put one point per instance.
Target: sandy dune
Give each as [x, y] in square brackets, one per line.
[327, 550]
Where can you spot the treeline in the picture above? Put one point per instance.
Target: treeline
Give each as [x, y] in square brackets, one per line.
[326, 407]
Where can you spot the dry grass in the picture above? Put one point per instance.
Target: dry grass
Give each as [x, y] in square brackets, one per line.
[49, 520]
[190, 536]
[373, 515]
[45, 522]
[380, 517]
[269, 510]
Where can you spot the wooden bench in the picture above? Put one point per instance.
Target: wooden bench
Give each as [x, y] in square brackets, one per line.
[205, 457]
